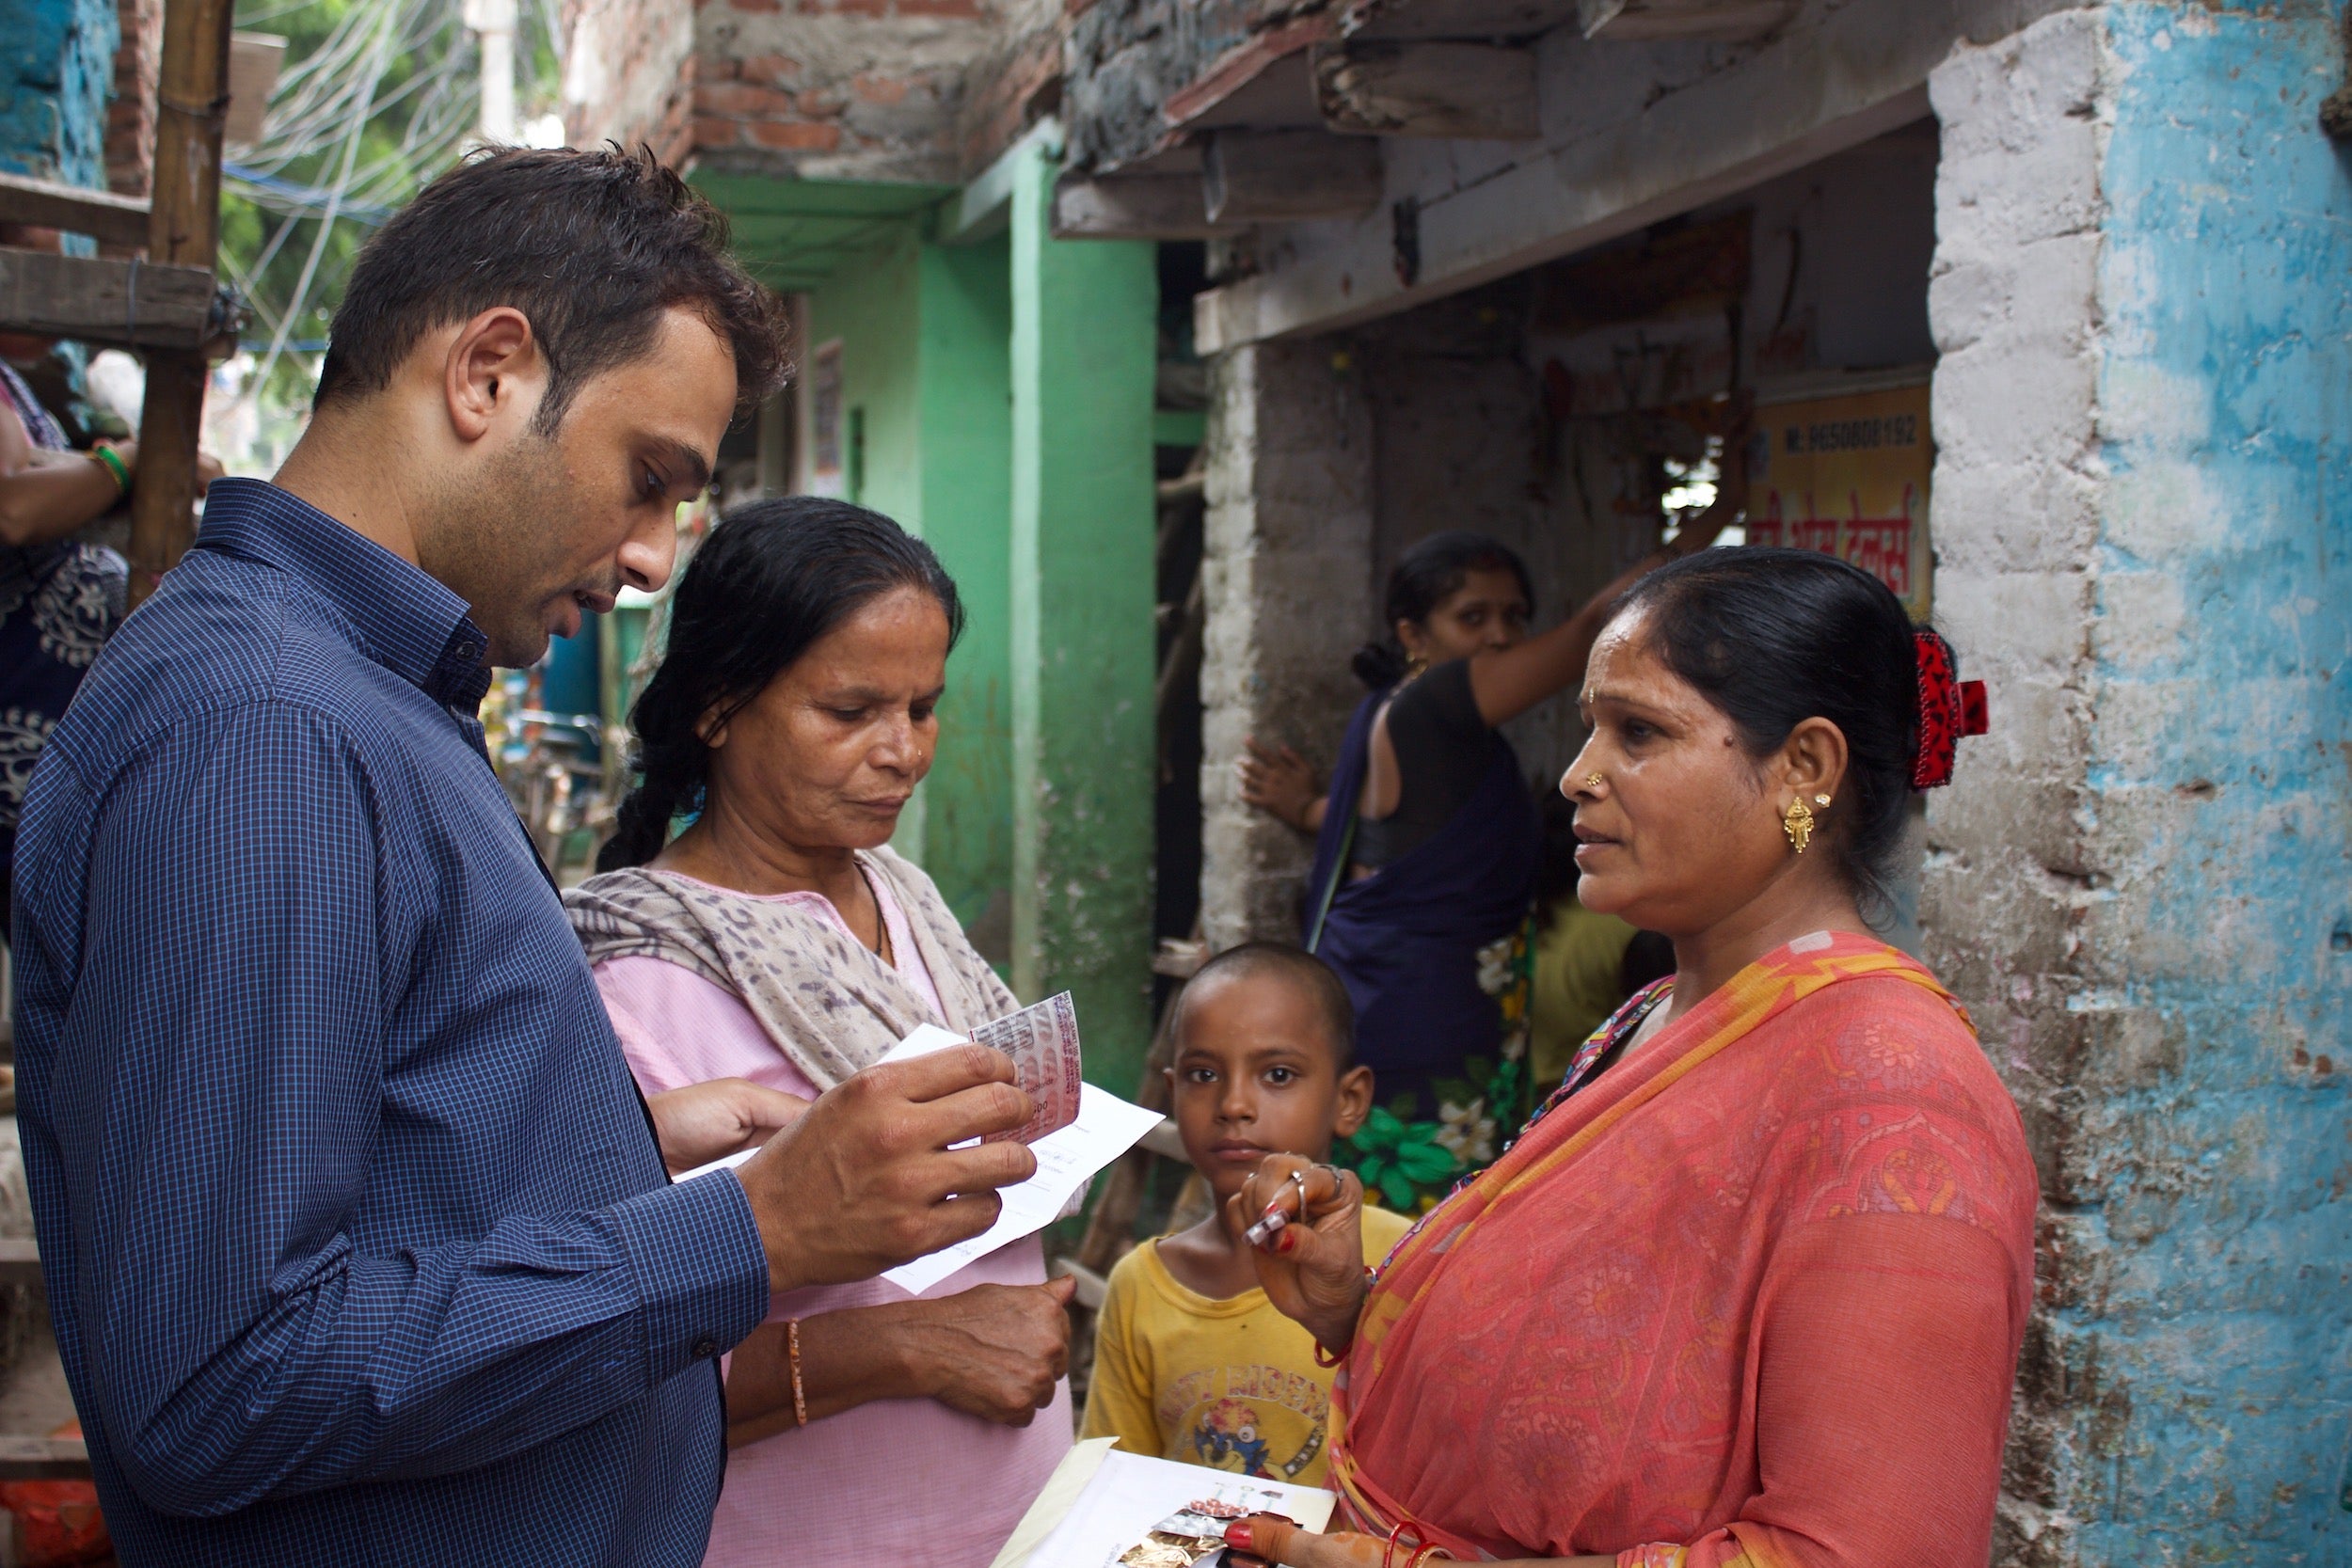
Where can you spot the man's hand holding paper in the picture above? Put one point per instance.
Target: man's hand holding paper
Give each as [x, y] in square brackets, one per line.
[864, 1180]
[1043, 1043]
[931, 1206]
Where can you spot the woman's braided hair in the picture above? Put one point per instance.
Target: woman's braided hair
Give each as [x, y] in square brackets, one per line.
[774, 578]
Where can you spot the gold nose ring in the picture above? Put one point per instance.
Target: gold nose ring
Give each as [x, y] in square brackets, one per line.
[1594, 781]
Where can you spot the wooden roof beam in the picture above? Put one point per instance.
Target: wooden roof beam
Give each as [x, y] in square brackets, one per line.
[1650, 21]
[1476, 90]
[1289, 176]
[1134, 207]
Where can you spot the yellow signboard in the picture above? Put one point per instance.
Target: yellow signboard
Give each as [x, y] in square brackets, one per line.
[1849, 476]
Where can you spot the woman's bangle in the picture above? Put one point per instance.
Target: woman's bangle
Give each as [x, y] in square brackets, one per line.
[111, 460]
[792, 1348]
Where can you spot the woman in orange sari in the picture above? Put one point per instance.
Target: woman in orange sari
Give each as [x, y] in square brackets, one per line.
[1750, 1290]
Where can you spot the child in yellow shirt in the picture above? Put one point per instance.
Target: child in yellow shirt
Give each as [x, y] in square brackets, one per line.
[1191, 1361]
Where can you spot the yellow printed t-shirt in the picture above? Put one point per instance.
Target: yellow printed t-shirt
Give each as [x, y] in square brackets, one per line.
[1232, 1385]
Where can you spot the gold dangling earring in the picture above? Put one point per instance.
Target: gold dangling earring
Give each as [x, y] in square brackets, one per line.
[1797, 823]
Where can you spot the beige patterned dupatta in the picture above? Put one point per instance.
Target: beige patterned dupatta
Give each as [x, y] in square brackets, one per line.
[830, 1005]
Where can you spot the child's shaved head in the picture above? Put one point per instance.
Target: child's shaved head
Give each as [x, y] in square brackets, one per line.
[1293, 966]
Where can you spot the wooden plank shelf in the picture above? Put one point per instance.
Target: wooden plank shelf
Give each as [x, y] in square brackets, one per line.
[128, 304]
[108, 218]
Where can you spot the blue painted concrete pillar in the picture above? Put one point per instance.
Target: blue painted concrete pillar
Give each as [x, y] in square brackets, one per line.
[57, 71]
[2142, 879]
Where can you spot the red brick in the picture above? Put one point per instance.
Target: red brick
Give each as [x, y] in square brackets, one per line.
[796, 136]
[861, 7]
[770, 68]
[716, 133]
[879, 89]
[766, 7]
[939, 7]
[822, 105]
[741, 98]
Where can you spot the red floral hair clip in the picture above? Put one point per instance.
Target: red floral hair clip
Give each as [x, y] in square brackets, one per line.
[1950, 708]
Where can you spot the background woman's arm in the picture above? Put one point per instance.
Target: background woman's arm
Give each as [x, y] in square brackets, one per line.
[996, 1351]
[1509, 681]
[46, 495]
[1281, 783]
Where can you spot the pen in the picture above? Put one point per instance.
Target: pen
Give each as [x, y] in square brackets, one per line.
[1276, 1219]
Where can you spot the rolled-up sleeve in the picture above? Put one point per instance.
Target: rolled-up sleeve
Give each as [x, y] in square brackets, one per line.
[217, 1100]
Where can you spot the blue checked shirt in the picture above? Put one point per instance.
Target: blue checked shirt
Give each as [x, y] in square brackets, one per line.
[358, 1244]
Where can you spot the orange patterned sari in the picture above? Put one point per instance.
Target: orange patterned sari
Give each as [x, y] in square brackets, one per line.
[1753, 1296]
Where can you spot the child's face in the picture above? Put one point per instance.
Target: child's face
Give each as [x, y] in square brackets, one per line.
[1253, 1077]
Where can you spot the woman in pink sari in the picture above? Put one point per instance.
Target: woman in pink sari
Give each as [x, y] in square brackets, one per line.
[1751, 1289]
[777, 938]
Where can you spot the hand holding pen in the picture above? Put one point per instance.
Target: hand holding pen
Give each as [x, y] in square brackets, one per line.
[1305, 1226]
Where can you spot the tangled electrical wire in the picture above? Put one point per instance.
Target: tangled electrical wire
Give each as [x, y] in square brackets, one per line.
[410, 64]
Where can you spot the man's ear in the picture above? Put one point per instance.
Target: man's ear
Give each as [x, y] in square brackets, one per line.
[1355, 1101]
[492, 372]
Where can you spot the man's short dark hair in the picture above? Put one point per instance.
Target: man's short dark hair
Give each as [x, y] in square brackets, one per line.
[591, 247]
[1300, 968]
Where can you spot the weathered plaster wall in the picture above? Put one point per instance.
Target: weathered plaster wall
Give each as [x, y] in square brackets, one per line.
[1128, 57]
[1458, 442]
[56, 69]
[1287, 579]
[630, 74]
[2140, 881]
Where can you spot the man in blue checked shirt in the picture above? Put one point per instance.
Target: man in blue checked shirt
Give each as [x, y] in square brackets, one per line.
[357, 1237]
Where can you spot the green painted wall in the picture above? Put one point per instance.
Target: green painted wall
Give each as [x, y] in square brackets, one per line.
[925, 344]
[965, 395]
[1083, 517]
[870, 305]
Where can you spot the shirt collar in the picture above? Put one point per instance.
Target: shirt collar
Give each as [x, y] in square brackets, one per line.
[407, 621]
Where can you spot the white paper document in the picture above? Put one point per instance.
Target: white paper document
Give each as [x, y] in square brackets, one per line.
[1107, 1127]
[1125, 1498]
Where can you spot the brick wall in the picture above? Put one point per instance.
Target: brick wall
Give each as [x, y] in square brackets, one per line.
[872, 89]
[836, 88]
[131, 117]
